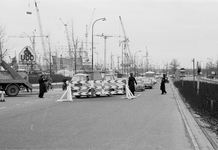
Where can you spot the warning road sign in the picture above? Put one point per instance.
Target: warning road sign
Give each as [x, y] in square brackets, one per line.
[27, 56]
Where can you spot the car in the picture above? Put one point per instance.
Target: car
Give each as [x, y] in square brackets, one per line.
[140, 85]
[148, 83]
[151, 75]
[83, 83]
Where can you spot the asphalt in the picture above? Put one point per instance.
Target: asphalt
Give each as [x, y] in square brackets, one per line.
[201, 136]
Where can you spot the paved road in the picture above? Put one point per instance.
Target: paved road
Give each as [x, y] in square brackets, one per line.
[150, 122]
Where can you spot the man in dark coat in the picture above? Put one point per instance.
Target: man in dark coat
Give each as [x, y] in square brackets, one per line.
[162, 85]
[42, 86]
[132, 83]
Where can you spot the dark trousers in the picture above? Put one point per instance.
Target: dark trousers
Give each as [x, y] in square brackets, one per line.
[41, 94]
[163, 89]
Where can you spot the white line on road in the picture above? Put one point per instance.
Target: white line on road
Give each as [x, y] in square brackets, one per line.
[27, 102]
[2, 107]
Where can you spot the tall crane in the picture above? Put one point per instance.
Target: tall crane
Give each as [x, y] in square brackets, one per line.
[128, 55]
[105, 38]
[68, 37]
[87, 32]
[32, 38]
[41, 32]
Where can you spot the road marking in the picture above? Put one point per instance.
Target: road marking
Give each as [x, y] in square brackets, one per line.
[17, 104]
[27, 102]
[2, 107]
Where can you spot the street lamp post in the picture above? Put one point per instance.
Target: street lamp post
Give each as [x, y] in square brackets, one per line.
[103, 19]
[135, 61]
[97, 59]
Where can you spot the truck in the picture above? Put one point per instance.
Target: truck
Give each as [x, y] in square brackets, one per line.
[11, 81]
[102, 82]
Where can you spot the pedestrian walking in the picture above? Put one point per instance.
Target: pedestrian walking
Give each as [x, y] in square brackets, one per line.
[42, 86]
[131, 83]
[162, 84]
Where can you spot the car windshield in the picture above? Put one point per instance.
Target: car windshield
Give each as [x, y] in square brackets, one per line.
[149, 74]
[109, 77]
[147, 80]
[139, 80]
[78, 77]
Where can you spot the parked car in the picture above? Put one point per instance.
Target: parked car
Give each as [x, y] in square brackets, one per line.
[140, 85]
[83, 83]
[148, 83]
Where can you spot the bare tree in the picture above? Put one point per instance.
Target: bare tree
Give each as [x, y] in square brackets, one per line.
[166, 67]
[174, 65]
[2, 41]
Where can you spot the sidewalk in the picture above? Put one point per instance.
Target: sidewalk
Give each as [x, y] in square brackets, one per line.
[201, 137]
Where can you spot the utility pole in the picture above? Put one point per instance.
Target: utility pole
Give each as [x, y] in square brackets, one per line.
[193, 72]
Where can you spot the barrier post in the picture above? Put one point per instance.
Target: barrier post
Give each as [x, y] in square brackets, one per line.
[2, 97]
[67, 93]
[92, 88]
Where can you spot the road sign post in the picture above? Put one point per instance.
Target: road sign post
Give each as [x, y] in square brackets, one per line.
[27, 57]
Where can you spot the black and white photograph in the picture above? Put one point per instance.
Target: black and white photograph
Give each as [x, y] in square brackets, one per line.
[108, 74]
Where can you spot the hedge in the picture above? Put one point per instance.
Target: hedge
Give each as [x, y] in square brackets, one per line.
[205, 103]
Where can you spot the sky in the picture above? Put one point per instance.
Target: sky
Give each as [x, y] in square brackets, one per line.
[167, 29]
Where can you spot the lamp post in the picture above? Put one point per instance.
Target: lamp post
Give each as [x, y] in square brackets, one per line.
[135, 61]
[103, 19]
[97, 59]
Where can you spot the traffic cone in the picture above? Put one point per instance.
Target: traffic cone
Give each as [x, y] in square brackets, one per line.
[67, 94]
[2, 97]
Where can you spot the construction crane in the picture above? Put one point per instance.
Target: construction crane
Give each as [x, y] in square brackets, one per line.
[68, 37]
[32, 38]
[41, 32]
[87, 32]
[128, 55]
[105, 38]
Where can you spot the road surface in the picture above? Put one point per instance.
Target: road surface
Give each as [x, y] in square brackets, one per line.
[150, 122]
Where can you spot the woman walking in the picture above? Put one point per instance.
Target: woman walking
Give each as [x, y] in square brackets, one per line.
[132, 83]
